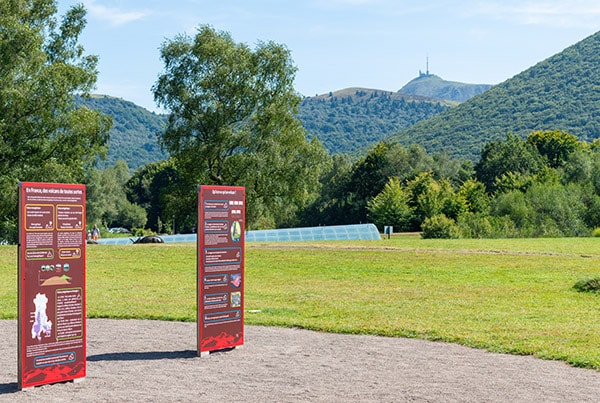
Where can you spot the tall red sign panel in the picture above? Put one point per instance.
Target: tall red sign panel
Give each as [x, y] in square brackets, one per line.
[52, 326]
[221, 236]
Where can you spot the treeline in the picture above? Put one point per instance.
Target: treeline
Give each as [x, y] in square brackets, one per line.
[345, 124]
[546, 185]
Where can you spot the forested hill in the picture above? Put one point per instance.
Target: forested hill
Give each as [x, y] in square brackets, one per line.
[560, 92]
[351, 119]
[430, 85]
[135, 132]
[345, 121]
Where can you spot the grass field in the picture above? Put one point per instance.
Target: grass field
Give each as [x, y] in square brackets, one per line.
[504, 295]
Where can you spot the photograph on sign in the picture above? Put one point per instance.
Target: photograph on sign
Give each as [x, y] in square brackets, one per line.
[52, 324]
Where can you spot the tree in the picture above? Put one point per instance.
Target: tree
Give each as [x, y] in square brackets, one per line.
[390, 207]
[107, 201]
[44, 136]
[514, 208]
[232, 122]
[370, 174]
[157, 188]
[345, 195]
[501, 157]
[330, 207]
[475, 196]
[430, 197]
[555, 145]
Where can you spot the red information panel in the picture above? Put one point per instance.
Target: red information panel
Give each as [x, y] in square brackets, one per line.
[52, 327]
[221, 228]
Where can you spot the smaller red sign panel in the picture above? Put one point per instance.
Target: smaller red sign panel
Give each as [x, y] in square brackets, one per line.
[221, 219]
[52, 312]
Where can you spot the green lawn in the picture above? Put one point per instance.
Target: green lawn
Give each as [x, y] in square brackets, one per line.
[503, 295]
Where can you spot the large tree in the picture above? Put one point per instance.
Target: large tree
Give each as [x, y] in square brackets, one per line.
[512, 156]
[233, 122]
[157, 188]
[555, 145]
[44, 136]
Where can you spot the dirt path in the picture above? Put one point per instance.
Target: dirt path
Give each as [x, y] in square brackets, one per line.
[135, 360]
[400, 249]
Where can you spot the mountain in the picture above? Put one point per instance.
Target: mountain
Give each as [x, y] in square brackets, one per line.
[135, 131]
[561, 92]
[345, 121]
[351, 119]
[432, 86]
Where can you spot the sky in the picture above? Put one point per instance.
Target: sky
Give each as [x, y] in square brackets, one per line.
[337, 44]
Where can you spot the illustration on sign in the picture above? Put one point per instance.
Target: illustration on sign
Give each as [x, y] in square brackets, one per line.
[41, 324]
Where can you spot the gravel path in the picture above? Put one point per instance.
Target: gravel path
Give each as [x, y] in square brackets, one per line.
[136, 360]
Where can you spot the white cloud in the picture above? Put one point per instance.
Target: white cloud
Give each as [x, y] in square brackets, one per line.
[113, 15]
[575, 13]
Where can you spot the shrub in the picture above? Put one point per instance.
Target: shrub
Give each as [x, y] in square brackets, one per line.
[474, 225]
[596, 233]
[588, 285]
[504, 227]
[440, 226]
[142, 232]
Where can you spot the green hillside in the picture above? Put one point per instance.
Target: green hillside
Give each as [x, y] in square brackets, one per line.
[432, 86]
[135, 131]
[351, 119]
[345, 121]
[561, 92]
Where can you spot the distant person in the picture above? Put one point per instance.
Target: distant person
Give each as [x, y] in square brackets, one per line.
[95, 233]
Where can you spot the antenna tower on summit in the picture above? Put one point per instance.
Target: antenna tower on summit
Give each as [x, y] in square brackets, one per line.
[426, 74]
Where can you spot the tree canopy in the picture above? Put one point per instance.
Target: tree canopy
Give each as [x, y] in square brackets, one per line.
[44, 136]
[232, 122]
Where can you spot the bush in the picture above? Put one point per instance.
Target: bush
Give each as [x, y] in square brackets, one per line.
[142, 232]
[596, 233]
[504, 227]
[440, 226]
[588, 285]
[474, 225]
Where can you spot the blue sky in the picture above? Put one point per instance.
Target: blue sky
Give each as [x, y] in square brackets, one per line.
[337, 44]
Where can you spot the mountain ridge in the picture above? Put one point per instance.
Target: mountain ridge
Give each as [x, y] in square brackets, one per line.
[433, 86]
[377, 114]
[134, 134]
[558, 93]
[349, 120]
